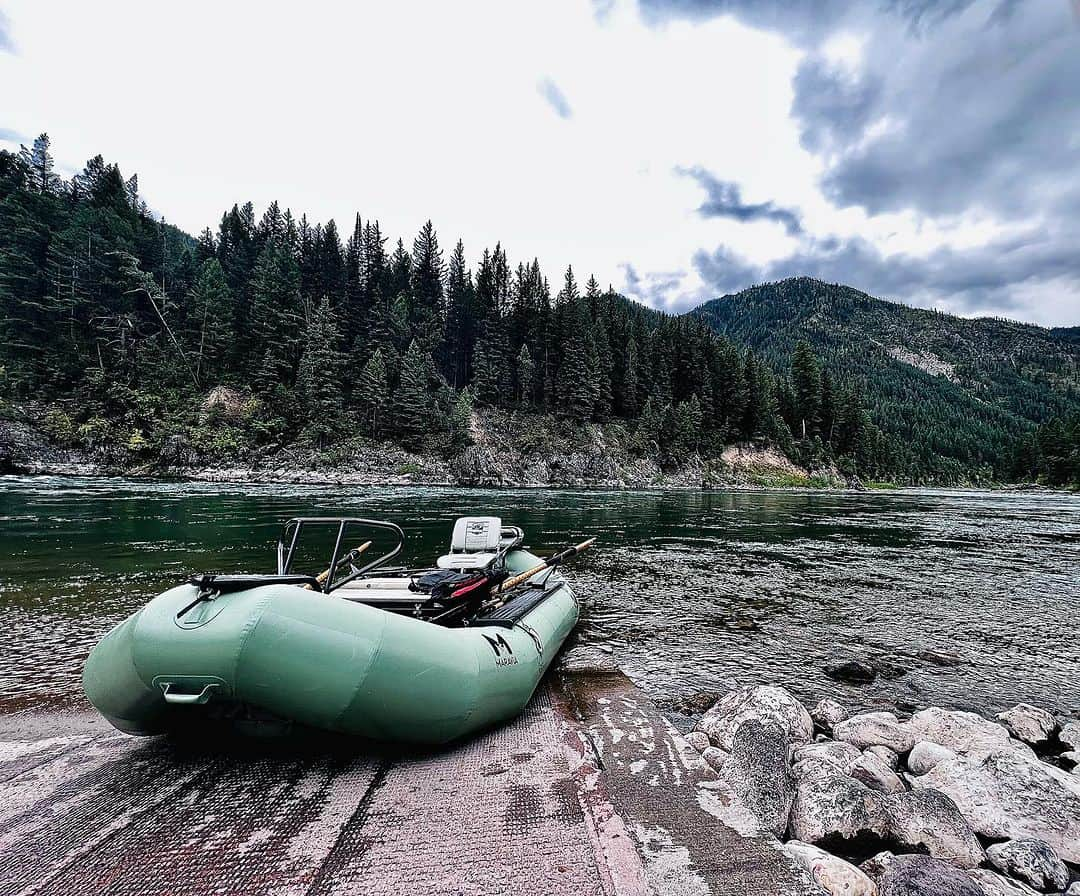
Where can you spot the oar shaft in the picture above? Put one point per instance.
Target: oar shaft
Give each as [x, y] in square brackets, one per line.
[352, 555]
[547, 564]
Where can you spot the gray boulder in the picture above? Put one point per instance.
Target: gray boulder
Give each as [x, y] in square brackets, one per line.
[832, 874]
[715, 757]
[773, 706]
[850, 669]
[996, 885]
[828, 713]
[1032, 861]
[757, 772]
[699, 740]
[928, 820]
[875, 866]
[875, 774]
[915, 875]
[873, 729]
[1005, 794]
[925, 755]
[1028, 723]
[889, 757]
[830, 804]
[835, 752]
[962, 732]
[1070, 735]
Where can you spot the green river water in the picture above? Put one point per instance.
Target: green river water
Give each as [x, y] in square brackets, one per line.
[973, 598]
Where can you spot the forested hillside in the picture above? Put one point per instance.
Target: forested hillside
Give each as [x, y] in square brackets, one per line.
[116, 327]
[953, 394]
[122, 324]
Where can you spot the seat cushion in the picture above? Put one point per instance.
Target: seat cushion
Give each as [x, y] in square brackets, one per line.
[464, 561]
[476, 534]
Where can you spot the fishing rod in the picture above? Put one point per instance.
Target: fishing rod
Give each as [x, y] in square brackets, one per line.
[348, 558]
[551, 562]
[499, 592]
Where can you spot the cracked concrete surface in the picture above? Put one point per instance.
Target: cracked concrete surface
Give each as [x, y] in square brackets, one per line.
[589, 792]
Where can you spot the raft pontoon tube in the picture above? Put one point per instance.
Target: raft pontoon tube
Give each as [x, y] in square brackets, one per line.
[363, 650]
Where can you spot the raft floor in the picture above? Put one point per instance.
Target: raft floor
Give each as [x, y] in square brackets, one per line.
[586, 793]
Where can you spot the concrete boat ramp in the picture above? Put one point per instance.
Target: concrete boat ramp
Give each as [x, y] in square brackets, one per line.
[590, 792]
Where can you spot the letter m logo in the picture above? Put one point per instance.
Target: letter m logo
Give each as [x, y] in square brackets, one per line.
[499, 645]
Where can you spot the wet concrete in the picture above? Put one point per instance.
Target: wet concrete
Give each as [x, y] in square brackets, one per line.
[588, 792]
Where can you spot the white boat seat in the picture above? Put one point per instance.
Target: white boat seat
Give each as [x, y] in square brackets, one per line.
[476, 541]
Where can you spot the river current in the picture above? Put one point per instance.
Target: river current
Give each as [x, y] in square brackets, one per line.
[963, 599]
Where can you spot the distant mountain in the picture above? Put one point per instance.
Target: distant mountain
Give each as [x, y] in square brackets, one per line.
[954, 393]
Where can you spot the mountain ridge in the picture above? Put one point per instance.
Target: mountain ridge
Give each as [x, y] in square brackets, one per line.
[968, 387]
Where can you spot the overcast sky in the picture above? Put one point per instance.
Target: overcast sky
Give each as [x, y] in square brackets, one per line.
[926, 151]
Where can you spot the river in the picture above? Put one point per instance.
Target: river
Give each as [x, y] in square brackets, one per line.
[972, 598]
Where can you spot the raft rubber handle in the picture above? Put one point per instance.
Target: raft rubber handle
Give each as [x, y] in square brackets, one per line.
[189, 699]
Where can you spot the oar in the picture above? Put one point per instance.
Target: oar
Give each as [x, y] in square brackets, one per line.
[348, 558]
[551, 561]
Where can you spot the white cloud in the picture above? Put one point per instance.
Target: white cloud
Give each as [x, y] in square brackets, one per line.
[413, 110]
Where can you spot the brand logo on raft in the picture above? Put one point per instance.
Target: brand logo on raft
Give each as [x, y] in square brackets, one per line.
[504, 656]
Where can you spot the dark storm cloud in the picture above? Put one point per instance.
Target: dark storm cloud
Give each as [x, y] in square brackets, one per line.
[6, 43]
[657, 289]
[555, 98]
[723, 199]
[977, 116]
[956, 109]
[832, 105]
[802, 21]
[982, 280]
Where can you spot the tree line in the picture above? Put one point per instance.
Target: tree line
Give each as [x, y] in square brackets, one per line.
[1051, 454]
[128, 319]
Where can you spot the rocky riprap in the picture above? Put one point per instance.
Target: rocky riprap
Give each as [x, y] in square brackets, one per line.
[944, 803]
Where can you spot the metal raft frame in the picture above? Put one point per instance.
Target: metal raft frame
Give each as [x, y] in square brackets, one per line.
[290, 538]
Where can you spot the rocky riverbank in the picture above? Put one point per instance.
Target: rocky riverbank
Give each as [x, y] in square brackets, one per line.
[505, 450]
[944, 803]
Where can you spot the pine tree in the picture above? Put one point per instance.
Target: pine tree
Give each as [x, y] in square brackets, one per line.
[353, 311]
[318, 379]
[40, 168]
[399, 272]
[487, 373]
[649, 426]
[329, 279]
[274, 318]
[211, 306]
[460, 419]
[806, 381]
[756, 407]
[627, 392]
[604, 370]
[828, 407]
[412, 405]
[131, 187]
[526, 376]
[373, 392]
[427, 275]
[682, 430]
[576, 382]
[460, 322]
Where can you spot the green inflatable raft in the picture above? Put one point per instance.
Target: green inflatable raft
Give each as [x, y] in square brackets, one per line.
[422, 656]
